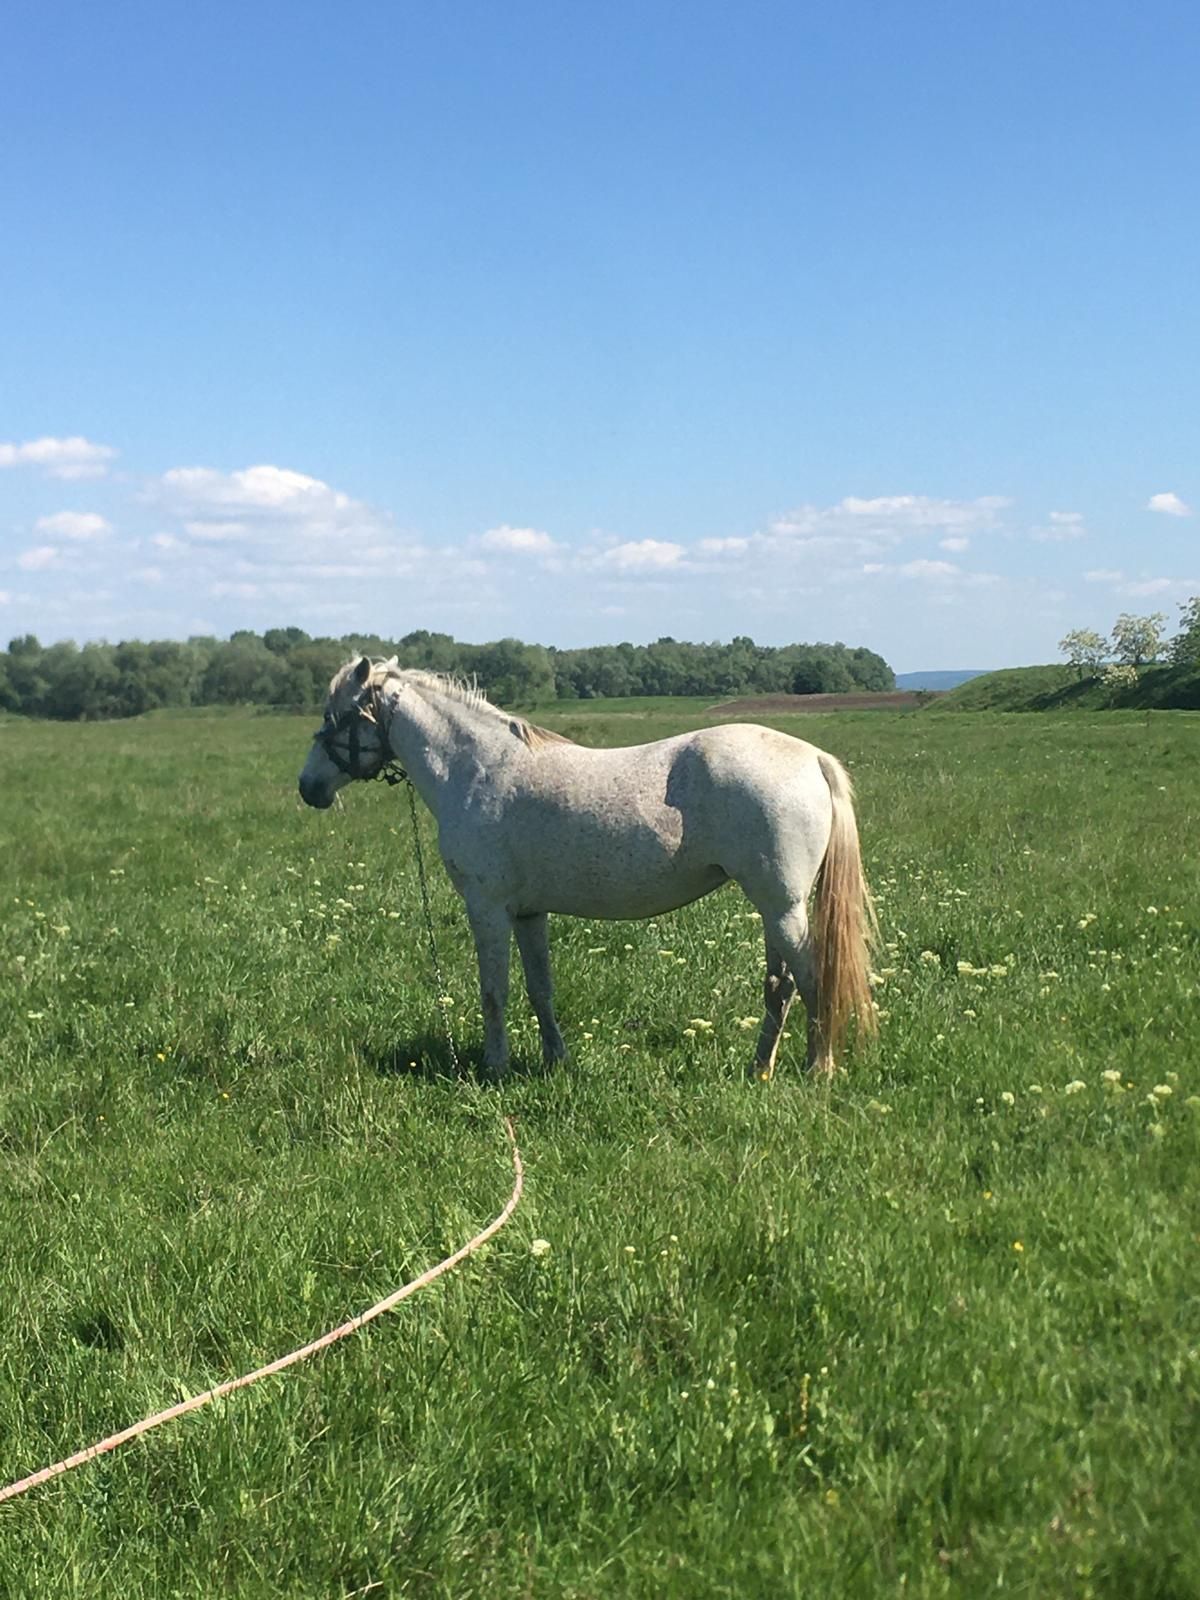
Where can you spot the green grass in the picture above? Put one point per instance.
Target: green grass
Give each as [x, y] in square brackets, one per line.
[630, 705]
[932, 1329]
[1060, 688]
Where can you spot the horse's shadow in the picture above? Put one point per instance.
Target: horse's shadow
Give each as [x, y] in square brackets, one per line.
[430, 1057]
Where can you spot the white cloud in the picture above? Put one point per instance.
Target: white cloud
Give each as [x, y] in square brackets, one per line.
[644, 555]
[892, 517]
[518, 541]
[270, 544]
[270, 523]
[722, 547]
[62, 458]
[1146, 586]
[254, 489]
[238, 591]
[214, 532]
[1062, 525]
[39, 558]
[5, 597]
[74, 525]
[956, 543]
[1143, 588]
[929, 569]
[1170, 504]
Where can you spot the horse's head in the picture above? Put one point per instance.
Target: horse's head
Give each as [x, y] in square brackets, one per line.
[349, 743]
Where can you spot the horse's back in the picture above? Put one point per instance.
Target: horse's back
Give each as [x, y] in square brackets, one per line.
[735, 794]
[738, 764]
[749, 752]
[638, 830]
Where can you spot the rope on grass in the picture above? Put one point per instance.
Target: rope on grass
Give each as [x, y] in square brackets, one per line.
[354, 1324]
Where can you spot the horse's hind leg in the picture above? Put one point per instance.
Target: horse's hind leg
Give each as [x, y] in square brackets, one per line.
[790, 967]
[778, 989]
[534, 944]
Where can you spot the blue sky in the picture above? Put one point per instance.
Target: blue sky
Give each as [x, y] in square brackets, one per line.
[876, 322]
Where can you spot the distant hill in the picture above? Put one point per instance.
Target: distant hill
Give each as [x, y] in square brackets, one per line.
[937, 681]
[1057, 688]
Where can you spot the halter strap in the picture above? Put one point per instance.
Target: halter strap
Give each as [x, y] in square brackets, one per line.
[364, 708]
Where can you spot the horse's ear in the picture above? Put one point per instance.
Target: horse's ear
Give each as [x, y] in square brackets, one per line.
[362, 671]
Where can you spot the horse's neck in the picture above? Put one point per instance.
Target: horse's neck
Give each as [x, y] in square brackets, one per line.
[436, 736]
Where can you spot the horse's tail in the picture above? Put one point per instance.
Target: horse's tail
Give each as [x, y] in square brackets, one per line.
[845, 923]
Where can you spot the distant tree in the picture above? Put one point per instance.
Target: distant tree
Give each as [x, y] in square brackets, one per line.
[1137, 640]
[1085, 650]
[26, 677]
[242, 672]
[84, 684]
[313, 665]
[602, 674]
[146, 676]
[434, 652]
[511, 672]
[1119, 679]
[281, 641]
[1185, 646]
[822, 669]
[871, 671]
[664, 668]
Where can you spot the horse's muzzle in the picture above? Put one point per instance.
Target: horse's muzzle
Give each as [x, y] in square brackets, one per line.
[313, 795]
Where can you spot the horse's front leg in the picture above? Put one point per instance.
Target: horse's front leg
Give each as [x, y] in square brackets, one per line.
[492, 928]
[534, 944]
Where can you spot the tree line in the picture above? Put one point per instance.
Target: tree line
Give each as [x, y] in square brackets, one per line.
[1135, 642]
[286, 668]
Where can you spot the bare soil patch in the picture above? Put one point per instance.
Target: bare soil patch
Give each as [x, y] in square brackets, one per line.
[896, 700]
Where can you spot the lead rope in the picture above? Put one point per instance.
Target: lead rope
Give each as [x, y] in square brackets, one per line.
[326, 1339]
[355, 1323]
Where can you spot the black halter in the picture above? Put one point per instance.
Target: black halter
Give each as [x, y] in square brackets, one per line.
[363, 708]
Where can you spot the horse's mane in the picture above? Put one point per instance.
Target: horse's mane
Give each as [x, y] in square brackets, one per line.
[467, 692]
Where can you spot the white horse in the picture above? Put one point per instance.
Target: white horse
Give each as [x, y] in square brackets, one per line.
[530, 823]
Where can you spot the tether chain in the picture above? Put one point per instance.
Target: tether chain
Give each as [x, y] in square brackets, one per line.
[433, 950]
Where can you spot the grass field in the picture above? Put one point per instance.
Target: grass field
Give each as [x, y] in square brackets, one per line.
[932, 1329]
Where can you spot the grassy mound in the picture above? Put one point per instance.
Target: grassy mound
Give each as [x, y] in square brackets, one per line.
[1057, 688]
